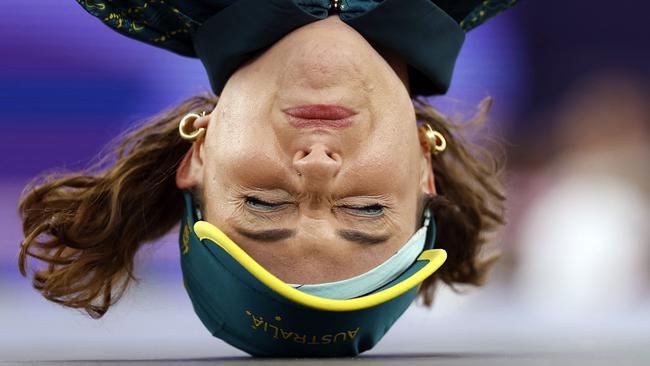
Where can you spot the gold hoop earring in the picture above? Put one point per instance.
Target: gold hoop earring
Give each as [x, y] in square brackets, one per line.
[436, 141]
[189, 119]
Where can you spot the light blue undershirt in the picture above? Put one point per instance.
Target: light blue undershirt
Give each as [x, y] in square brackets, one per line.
[374, 278]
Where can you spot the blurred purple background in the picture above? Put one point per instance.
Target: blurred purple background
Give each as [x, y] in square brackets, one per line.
[569, 82]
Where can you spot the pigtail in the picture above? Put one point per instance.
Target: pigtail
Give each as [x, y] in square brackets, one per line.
[87, 226]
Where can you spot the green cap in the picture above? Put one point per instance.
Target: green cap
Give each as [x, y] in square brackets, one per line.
[245, 305]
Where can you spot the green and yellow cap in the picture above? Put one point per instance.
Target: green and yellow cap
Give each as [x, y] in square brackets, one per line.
[243, 304]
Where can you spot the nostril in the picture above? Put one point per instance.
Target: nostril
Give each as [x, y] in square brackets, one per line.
[315, 153]
[299, 155]
[334, 156]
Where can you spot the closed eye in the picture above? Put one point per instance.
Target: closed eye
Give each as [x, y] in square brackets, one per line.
[368, 210]
[262, 205]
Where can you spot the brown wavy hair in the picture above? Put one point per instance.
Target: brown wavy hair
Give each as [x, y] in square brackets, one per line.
[470, 203]
[86, 227]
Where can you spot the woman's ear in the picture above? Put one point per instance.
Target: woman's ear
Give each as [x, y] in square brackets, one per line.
[189, 173]
[427, 179]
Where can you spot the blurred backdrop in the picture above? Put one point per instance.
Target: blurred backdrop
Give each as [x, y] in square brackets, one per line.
[571, 103]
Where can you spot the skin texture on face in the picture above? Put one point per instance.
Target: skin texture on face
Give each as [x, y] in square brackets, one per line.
[317, 204]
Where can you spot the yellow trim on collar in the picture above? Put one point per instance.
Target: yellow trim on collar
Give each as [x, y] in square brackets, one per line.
[435, 257]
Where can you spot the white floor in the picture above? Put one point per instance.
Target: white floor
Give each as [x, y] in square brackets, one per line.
[155, 321]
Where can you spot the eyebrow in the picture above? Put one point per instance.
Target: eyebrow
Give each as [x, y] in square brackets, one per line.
[281, 234]
[361, 237]
[266, 235]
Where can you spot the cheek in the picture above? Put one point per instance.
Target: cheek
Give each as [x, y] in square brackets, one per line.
[238, 134]
[395, 127]
[242, 162]
[393, 154]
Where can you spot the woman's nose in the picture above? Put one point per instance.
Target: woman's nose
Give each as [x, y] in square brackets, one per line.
[317, 163]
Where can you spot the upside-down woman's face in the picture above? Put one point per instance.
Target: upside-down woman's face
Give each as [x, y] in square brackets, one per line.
[313, 199]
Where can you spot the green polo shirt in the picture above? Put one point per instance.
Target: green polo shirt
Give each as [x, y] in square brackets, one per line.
[226, 33]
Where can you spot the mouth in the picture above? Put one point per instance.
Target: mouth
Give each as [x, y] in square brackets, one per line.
[320, 116]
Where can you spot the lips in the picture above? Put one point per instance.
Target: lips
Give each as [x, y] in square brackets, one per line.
[320, 116]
